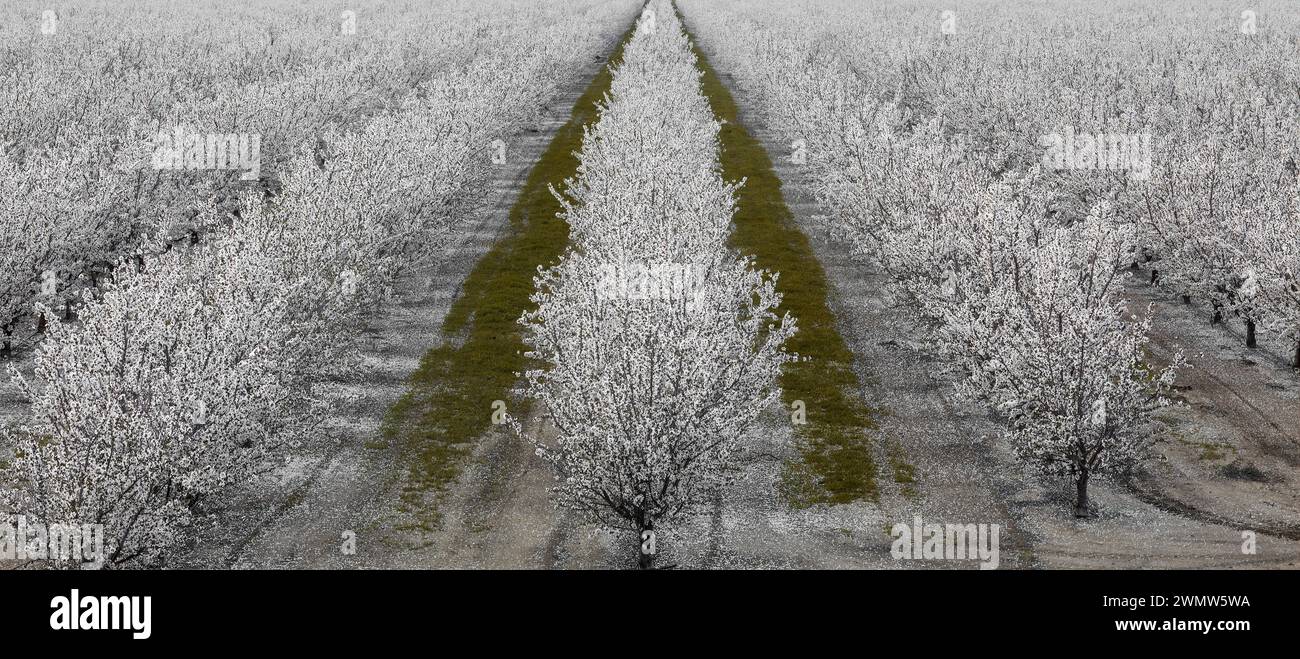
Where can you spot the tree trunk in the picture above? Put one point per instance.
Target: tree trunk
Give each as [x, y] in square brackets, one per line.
[1250, 333]
[1296, 361]
[1081, 495]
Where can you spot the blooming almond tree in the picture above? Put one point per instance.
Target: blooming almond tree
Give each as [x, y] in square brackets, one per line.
[1270, 246]
[1049, 346]
[650, 395]
[50, 208]
[175, 383]
[658, 346]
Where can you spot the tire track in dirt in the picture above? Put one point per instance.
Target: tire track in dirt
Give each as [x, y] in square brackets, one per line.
[1235, 443]
[501, 514]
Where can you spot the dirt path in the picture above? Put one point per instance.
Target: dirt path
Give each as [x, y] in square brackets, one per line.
[1234, 456]
[500, 515]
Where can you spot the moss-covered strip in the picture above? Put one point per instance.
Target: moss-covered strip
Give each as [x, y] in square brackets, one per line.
[837, 466]
[448, 403]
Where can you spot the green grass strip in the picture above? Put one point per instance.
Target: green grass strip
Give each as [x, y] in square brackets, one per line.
[448, 403]
[837, 466]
